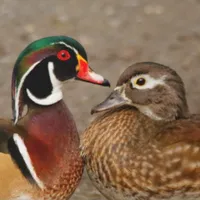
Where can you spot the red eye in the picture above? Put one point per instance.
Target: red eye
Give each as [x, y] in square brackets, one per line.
[63, 55]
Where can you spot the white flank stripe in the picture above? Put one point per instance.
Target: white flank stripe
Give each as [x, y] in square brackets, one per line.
[17, 93]
[24, 153]
[56, 94]
[23, 197]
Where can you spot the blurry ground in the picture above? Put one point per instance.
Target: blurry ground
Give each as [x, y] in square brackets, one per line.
[115, 33]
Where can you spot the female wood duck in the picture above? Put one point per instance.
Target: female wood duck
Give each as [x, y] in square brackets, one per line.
[40, 149]
[146, 146]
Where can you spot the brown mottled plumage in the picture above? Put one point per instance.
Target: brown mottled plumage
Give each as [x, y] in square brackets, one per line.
[146, 145]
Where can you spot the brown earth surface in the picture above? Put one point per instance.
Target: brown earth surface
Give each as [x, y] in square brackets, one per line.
[115, 34]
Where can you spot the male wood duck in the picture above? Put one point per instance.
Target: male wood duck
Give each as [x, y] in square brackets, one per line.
[39, 150]
[146, 144]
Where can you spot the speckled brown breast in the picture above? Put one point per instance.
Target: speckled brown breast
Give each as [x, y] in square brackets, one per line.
[129, 156]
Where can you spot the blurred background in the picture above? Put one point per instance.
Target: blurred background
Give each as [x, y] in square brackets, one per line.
[115, 34]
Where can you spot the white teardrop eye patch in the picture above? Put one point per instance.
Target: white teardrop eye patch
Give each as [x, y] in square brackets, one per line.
[145, 81]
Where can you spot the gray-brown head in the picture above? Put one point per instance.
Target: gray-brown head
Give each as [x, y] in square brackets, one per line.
[154, 89]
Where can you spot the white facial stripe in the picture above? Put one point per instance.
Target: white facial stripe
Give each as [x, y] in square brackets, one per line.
[17, 93]
[150, 81]
[70, 47]
[24, 153]
[121, 90]
[56, 94]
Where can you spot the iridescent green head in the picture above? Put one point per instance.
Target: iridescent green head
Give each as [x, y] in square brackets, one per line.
[41, 68]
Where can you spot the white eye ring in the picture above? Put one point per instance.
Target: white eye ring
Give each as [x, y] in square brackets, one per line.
[149, 81]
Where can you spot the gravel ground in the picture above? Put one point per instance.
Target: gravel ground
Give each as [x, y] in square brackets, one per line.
[115, 34]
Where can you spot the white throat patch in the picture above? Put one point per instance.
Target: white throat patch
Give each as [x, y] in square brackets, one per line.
[56, 94]
[148, 112]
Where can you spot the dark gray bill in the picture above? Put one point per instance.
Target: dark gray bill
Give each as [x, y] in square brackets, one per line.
[115, 99]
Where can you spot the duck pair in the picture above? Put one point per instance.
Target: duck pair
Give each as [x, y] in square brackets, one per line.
[146, 144]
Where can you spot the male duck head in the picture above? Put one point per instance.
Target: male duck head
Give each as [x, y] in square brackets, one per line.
[41, 68]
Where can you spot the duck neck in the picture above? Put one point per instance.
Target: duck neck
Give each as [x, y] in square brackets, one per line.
[53, 126]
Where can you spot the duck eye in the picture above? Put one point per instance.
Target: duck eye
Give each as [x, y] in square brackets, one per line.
[140, 81]
[63, 55]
